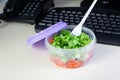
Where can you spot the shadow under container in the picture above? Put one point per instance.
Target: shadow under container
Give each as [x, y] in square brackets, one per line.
[72, 58]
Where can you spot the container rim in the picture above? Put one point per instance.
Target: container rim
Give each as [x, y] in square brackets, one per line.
[84, 29]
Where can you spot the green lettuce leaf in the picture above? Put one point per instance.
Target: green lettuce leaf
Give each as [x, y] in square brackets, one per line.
[67, 41]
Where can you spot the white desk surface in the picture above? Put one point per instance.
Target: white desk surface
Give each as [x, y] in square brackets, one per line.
[18, 61]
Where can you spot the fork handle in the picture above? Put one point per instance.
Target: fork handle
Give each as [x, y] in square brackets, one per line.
[87, 13]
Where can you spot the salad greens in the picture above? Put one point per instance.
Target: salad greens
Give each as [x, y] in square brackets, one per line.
[67, 41]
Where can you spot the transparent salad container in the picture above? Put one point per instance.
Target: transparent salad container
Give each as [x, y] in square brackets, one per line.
[72, 58]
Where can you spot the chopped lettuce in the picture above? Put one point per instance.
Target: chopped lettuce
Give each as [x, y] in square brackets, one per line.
[67, 41]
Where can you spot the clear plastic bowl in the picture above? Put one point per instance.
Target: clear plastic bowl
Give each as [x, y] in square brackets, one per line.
[72, 58]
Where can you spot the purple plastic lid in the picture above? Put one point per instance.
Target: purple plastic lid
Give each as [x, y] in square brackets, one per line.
[47, 32]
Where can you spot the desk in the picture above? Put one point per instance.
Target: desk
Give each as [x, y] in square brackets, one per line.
[18, 61]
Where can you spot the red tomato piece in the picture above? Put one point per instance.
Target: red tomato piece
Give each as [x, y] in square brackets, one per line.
[74, 64]
[51, 40]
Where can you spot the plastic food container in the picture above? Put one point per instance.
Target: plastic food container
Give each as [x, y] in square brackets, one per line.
[72, 58]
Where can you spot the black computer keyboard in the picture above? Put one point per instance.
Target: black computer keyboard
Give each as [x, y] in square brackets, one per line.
[104, 23]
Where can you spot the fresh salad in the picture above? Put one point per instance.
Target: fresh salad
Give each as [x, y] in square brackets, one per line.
[67, 41]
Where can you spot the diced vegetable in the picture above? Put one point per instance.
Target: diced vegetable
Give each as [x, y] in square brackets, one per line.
[73, 64]
[67, 41]
[51, 40]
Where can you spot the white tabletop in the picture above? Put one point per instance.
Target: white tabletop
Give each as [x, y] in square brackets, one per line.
[18, 61]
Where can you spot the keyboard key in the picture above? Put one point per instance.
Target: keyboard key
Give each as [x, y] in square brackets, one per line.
[116, 33]
[106, 31]
[98, 30]
[43, 24]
